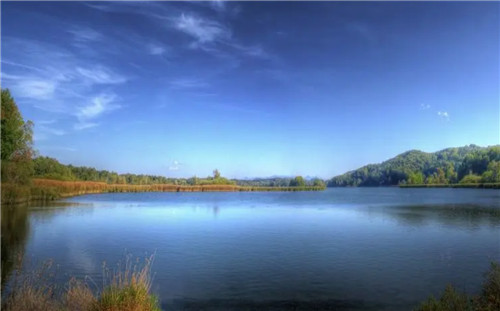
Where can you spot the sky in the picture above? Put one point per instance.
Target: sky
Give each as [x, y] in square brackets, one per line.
[253, 89]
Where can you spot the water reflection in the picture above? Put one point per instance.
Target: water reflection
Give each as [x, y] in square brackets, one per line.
[240, 304]
[15, 230]
[467, 216]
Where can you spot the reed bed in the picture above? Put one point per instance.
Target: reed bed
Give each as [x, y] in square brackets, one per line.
[127, 288]
[49, 189]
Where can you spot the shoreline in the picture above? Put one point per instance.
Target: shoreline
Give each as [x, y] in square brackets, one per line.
[44, 190]
[474, 186]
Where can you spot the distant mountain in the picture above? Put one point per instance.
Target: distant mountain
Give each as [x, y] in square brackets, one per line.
[449, 165]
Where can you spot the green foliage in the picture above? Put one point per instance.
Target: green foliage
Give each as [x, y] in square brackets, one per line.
[16, 143]
[50, 168]
[318, 183]
[216, 174]
[264, 182]
[447, 166]
[298, 181]
[451, 300]
[471, 179]
[492, 175]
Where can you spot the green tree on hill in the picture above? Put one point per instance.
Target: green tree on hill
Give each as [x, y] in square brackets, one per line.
[16, 143]
[492, 174]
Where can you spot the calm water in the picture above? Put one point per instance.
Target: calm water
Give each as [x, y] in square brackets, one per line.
[345, 248]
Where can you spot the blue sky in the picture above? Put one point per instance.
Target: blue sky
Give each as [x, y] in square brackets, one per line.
[251, 88]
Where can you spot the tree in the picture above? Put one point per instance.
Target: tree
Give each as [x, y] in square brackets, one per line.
[216, 174]
[416, 178]
[318, 183]
[471, 179]
[297, 182]
[493, 172]
[16, 143]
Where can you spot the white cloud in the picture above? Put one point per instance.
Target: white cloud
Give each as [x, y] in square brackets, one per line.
[84, 125]
[154, 49]
[99, 105]
[218, 5]
[425, 106]
[444, 115]
[187, 84]
[36, 88]
[175, 166]
[100, 75]
[84, 34]
[202, 30]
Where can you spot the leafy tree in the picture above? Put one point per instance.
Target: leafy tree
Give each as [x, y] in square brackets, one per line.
[318, 183]
[416, 178]
[16, 142]
[216, 174]
[493, 172]
[471, 179]
[298, 182]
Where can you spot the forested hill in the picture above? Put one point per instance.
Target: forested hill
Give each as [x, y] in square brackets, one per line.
[469, 164]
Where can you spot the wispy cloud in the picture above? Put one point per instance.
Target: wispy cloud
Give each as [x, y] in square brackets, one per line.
[187, 84]
[85, 34]
[155, 49]
[218, 5]
[202, 30]
[43, 131]
[100, 75]
[82, 125]
[175, 166]
[50, 76]
[99, 105]
[425, 106]
[444, 115]
[36, 88]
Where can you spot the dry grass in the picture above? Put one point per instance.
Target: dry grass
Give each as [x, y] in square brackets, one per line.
[127, 288]
[48, 189]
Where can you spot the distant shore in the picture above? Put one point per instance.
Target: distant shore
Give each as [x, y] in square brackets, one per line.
[49, 189]
[477, 185]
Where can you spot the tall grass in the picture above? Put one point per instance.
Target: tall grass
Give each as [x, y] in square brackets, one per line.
[452, 300]
[127, 288]
[48, 189]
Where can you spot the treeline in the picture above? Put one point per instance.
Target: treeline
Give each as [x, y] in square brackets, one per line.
[464, 165]
[280, 182]
[49, 168]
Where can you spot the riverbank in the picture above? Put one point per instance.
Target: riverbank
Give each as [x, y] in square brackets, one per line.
[477, 185]
[49, 189]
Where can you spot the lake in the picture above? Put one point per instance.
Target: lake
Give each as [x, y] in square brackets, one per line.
[342, 248]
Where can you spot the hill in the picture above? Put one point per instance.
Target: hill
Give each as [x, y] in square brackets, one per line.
[468, 164]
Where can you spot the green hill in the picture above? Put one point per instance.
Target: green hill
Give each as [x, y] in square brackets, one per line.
[469, 164]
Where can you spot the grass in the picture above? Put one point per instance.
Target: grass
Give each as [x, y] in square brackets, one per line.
[452, 300]
[48, 189]
[127, 289]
